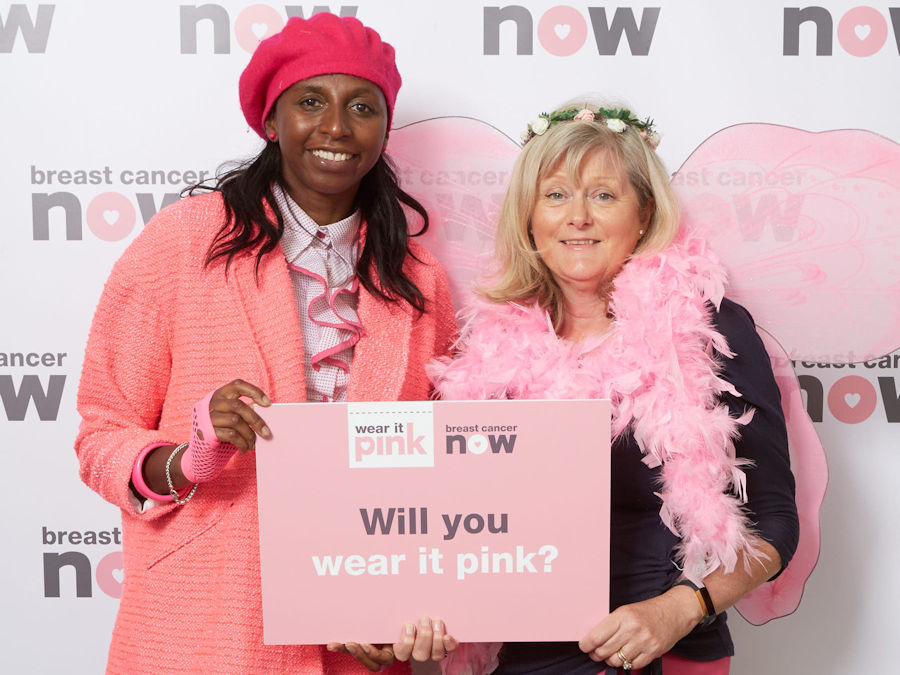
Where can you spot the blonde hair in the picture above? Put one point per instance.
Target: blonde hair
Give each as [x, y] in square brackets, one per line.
[523, 276]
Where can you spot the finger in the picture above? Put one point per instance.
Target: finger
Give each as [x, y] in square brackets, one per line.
[383, 655]
[437, 640]
[450, 643]
[362, 656]
[403, 647]
[237, 388]
[239, 407]
[599, 635]
[231, 428]
[422, 648]
[336, 647]
[622, 656]
[237, 414]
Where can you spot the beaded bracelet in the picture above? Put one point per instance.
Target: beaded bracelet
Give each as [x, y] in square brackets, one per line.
[175, 496]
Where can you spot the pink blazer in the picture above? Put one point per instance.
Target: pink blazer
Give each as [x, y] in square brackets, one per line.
[166, 332]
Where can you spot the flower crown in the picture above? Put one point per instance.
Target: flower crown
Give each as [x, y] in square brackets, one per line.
[617, 119]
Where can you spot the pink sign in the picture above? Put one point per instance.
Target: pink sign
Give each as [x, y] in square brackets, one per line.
[492, 515]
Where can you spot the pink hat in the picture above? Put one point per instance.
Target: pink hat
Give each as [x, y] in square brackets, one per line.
[304, 48]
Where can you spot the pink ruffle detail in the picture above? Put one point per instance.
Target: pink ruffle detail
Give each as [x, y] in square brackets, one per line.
[350, 325]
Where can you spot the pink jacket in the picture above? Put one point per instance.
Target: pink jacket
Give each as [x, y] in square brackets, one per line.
[166, 332]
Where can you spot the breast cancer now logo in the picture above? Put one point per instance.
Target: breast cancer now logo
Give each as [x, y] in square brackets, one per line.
[853, 397]
[35, 30]
[250, 25]
[563, 30]
[380, 436]
[20, 393]
[861, 31]
[109, 215]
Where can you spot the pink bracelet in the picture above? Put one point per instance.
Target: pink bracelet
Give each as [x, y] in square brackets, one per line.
[137, 477]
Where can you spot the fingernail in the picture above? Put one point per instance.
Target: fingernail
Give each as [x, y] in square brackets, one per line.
[425, 622]
[265, 432]
[351, 649]
[365, 648]
[439, 625]
[265, 400]
[409, 629]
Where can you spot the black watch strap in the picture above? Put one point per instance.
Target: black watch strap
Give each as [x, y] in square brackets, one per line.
[703, 597]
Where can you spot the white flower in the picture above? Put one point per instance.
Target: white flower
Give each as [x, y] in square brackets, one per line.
[616, 125]
[540, 125]
[653, 138]
[525, 136]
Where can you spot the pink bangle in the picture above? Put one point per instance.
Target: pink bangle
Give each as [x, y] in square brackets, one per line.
[137, 476]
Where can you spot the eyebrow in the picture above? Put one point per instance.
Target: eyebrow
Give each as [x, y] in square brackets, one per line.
[319, 89]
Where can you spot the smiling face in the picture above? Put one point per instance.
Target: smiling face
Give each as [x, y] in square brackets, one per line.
[331, 130]
[585, 226]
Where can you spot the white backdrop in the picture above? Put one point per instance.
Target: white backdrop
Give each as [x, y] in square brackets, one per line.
[97, 94]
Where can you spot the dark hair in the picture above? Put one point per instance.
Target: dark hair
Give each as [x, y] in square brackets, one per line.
[247, 188]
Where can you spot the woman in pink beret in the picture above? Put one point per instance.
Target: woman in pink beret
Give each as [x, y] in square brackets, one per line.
[292, 278]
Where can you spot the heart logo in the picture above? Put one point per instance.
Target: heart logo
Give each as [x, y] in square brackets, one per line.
[477, 444]
[260, 30]
[562, 30]
[852, 400]
[111, 217]
[862, 32]
[118, 574]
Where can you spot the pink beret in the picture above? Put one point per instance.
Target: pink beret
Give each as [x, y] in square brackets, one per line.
[304, 48]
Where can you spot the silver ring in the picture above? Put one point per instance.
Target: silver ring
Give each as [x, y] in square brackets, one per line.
[626, 663]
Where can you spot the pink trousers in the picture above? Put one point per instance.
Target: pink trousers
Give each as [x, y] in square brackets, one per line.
[675, 665]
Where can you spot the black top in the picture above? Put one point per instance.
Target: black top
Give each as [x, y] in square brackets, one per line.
[642, 548]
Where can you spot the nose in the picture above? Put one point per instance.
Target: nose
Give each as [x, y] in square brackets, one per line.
[579, 214]
[334, 121]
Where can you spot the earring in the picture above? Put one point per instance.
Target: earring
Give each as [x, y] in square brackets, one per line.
[272, 136]
[641, 232]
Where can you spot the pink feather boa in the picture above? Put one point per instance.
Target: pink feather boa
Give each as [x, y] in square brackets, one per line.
[658, 367]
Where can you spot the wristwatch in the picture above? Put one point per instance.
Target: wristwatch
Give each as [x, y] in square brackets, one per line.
[706, 603]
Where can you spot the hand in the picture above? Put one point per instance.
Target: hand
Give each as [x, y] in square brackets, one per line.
[233, 420]
[428, 641]
[373, 657]
[642, 631]
[223, 424]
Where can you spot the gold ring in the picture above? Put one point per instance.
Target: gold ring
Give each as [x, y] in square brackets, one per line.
[626, 663]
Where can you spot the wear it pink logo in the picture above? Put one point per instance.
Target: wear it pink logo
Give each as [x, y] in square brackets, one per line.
[381, 437]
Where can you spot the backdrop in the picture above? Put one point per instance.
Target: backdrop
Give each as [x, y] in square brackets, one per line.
[779, 124]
